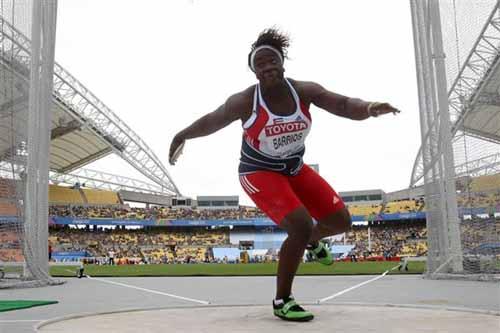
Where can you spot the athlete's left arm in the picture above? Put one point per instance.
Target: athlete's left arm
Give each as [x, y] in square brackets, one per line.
[343, 106]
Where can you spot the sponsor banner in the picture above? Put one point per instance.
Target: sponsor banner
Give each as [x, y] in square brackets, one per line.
[70, 254]
[260, 222]
[474, 211]
[389, 217]
[104, 221]
[255, 222]
[8, 219]
[163, 222]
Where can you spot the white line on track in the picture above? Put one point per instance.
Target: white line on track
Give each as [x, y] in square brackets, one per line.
[150, 291]
[356, 286]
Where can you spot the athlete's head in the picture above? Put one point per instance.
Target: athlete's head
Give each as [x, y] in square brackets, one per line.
[267, 55]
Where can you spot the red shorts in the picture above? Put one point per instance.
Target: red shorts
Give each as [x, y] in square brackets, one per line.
[278, 195]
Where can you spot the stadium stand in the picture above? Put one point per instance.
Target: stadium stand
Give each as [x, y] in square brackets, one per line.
[485, 183]
[166, 245]
[10, 249]
[195, 244]
[64, 195]
[6, 188]
[480, 194]
[11, 255]
[476, 230]
[154, 245]
[126, 212]
[364, 210]
[7, 209]
[100, 197]
[389, 239]
[401, 206]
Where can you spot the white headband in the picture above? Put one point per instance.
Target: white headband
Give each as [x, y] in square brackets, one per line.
[254, 52]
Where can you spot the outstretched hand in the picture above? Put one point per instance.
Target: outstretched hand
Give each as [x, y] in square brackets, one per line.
[376, 109]
[177, 143]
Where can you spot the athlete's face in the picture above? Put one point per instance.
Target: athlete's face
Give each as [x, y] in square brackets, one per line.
[268, 68]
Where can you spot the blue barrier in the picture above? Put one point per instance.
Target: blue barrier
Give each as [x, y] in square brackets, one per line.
[8, 219]
[69, 255]
[253, 222]
[256, 222]
[230, 252]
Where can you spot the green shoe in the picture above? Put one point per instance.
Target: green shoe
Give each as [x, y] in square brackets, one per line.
[291, 311]
[321, 254]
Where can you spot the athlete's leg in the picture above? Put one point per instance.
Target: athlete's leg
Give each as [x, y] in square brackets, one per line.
[273, 194]
[333, 224]
[322, 202]
[298, 224]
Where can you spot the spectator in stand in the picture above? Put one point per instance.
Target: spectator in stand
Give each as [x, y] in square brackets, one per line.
[125, 212]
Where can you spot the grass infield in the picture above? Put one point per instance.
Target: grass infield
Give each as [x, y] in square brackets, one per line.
[16, 305]
[340, 268]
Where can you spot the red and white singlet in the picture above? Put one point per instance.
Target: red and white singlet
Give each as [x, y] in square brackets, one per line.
[273, 142]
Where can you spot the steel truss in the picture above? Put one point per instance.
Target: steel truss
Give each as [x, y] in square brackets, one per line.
[488, 165]
[465, 92]
[91, 178]
[105, 181]
[90, 111]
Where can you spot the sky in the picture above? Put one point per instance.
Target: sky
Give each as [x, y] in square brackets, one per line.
[160, 65]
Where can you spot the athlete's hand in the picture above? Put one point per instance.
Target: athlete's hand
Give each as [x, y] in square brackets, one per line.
[176, 142]
[376, 109]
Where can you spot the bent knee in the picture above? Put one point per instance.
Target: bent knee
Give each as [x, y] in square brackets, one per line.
[347, 219]
[340, 221]
[298, 223]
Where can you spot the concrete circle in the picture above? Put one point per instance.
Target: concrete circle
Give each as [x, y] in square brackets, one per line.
[328, 318]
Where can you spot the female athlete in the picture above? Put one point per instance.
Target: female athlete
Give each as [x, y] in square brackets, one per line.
[276, 120]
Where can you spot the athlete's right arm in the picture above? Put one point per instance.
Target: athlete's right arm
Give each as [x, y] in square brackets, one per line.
[225, 114]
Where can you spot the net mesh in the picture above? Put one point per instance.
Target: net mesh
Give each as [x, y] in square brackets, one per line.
[456, 55]
[27, 30]
[470, 38]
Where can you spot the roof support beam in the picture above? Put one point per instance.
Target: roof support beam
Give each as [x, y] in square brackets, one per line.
[63, 130]
[466, 91]
[482, 135]
[88, 159]
[100, 119]
[106, 181]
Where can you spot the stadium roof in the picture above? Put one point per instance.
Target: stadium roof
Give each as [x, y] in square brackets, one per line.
[474, 103]
[474, 97]
[84, 129]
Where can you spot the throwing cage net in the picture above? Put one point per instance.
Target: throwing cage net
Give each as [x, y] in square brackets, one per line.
[457, 50]
[27, 35]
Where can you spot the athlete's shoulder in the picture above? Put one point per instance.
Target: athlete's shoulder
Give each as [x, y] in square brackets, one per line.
[242, 97]
[306, 90]
[241, 102]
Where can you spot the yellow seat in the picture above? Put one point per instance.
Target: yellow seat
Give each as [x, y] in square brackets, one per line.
[101, 197]
[64, 195]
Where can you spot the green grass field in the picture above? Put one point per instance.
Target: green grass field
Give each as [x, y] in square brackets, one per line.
[340, 268]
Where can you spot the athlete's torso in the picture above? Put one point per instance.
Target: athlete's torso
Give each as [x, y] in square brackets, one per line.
[274, 142]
